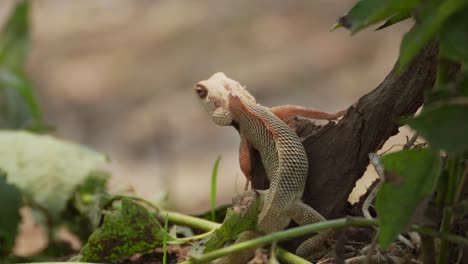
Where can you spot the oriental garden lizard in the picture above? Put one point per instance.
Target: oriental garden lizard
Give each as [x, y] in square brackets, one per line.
[281, 151]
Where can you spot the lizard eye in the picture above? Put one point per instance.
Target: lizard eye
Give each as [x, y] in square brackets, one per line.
[201, 91]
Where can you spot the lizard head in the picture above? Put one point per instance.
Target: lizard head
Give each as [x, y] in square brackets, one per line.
[214, 97]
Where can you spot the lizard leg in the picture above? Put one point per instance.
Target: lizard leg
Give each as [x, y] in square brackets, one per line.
[303, 214]
[245, 152]
[285, 112]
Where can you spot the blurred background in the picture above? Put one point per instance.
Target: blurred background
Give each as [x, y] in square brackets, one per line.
[117, 75]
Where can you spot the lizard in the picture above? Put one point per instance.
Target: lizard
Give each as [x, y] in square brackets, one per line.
[281, 152]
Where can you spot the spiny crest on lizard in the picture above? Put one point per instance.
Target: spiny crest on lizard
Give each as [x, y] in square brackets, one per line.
[214, 97]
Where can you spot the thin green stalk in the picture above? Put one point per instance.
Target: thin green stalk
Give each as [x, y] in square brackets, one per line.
[188, 220]
[306, 229]
[289, 257]
[442, 235]
[285, 234]
[165, 240]
[196, 237]
[442, 186]
[214, 179]
[447, 213]
[134, 198]
[281, 235]
[462, 183]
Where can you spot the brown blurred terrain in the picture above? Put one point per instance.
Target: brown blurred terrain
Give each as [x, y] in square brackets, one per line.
[118, 76]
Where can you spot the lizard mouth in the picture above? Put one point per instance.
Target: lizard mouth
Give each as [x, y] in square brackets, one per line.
[201, 91]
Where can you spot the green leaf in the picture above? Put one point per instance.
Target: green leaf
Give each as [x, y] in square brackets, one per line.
[454, 37]
[398, 17]
[45, 169]
[214, 179]
[432, 20]
[83, 213]
[368, 12]
[10, 197]
[129, 230]
[18, 106]
[445, 127]
[15, 39]
[410, 176]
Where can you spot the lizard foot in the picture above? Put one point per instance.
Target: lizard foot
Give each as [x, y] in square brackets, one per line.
[316, 246]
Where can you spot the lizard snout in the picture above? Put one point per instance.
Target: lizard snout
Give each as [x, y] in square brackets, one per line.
[201, 91]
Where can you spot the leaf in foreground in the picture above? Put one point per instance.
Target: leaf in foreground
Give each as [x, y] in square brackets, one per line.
[398, 17]
[18, 106]
[454, 37]
[82, 214]
[367, 12]
[126, 231]
[45, 169]
[410, 176]
[421, 34]
[10, 197]
[14, 38]
[445, 127]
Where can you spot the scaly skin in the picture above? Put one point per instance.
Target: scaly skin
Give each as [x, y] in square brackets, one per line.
[281, 152]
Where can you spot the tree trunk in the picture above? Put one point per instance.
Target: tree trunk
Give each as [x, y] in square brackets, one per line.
[338, 152]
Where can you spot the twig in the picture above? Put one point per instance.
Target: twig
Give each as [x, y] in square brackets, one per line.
[411, 142]
[371, 249]
[391, 147]
[375, 160]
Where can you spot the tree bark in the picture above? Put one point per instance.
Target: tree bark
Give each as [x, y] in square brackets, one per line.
[338, 152]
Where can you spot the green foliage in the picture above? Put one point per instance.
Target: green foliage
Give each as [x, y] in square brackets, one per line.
[125, 231]
[454, 37]
[214, 179]
[15, 38]
[411, 176]
[18, 106]
[82, 214]
[398, 17]
[9, 214]
[436, 123]
[368, 12]
[432, 20]
[45, 169]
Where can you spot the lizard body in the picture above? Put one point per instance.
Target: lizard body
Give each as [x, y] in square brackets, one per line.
[280, 149]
